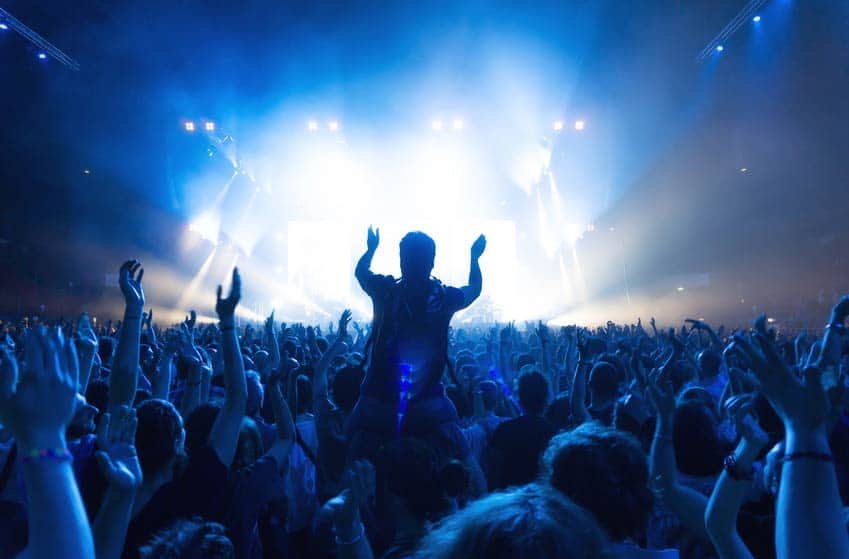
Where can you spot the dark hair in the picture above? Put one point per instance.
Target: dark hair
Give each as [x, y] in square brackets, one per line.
[187, 539]
[530, 522]
[606, 472]
[489, 394]
[346, 387]
[159, 430]
[698, 448]
[559, 412]
[97, 394]
[256, 393]
[304, 387]
[321, 344]
[105, 349]
[199, 425]
[408, 469]
[604, 380]
[533, 392]
[525, 359]
[418, 252]
[709, 363]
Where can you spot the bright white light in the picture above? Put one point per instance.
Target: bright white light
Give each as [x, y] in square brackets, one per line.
[189, 126]
[457, 124]
[756, 19]
[558, 125]
[744, 170]
[333, 126]
[770, 320]
[42, 56]
[3, 26]
[679, 289]
[209, 126]
[312, 126]
[719, 48]
[207, 226]
[436, 125]
[579, 124]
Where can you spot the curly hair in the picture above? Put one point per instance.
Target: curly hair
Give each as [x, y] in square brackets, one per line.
[160, 428]
[190, 539]
[606, 472]
[530, 522]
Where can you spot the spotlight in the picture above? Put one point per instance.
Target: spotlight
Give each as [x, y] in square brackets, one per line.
[558, 126]
[719, 48]
[579, 125]
[42, 56]
[457, 124]
[436, 125]
[679, 289]
[312, 126]
[86, 171]
[209, 126]
[756, 19]
[333, 126]
[3, 26]
[189, 126]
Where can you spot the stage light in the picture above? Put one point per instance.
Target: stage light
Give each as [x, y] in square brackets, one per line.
[744, 170]
[558, 125]
[579, 125]
[312, 126]
[457, 124]
[679, 289]
[209, 126]
[333, 126]
[3, 26]
[42, 56]
[436, 125]
[189, 126]
[86, 171]
[207, 226]
[719, 48]
[756, 19]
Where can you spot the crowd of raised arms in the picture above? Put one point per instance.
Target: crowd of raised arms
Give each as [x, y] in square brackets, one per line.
[407, 438]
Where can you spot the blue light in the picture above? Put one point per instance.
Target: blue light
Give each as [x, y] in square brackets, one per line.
[42, 56]
[3, 26]
[756, 19]
[719, 48]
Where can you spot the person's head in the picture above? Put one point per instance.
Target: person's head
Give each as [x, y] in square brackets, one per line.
[190, 539]
[606, 472]
[489, 394]
[346, 387]
[709, 363]
[199, 425]
[603, 383]
[559, 412]
[304, 387]
[97, 394]
[159, 437]
[408, 477]
[106, 349]
[418, 252]
[533, 392]
[255, 393]
[530, 522]
[699, 450]
[250, 446]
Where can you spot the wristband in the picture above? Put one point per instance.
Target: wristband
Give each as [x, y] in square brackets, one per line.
[821, 456]
[735, 472]
[358, 537]
[42, 454]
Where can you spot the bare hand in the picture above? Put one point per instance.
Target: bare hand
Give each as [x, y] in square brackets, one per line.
[130, 281]
[478, 247]
[373, 239]
[226, 308]
[116, 455]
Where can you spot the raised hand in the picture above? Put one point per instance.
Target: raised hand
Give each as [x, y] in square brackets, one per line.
[373, 238]
[226, 308]
[801, 404]
[478, 247]
[359, 486]
[116, 454]
[269, 325]
[130, 281]
[85, 337]
[543, 333]
[660, 394]
[840, 311]
[37, 405]
[741, 410]
[147, 319]
[190, 320]
[343, 323]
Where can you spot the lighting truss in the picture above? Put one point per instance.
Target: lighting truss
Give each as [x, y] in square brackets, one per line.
[742, 17]
[43, 44]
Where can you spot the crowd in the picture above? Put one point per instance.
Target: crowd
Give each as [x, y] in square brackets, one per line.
[405, 438]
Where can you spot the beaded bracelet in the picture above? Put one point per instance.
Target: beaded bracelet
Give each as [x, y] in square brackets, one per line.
[357, 538]
[821, 456]
[41, 454]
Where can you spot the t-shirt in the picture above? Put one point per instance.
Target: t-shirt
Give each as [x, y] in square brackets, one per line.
[515, 447]
[200, 491]
[301, 477]
[410, 336]
[250, 489]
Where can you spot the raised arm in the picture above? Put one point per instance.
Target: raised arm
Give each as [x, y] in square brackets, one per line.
[734, 481]
[36, 410]
[86, 341]
[808, 479]
[279, 449]
[273, 362]
[224, 435]
[124, 378]
[363, 271]
[473, 290]
[320, 369]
